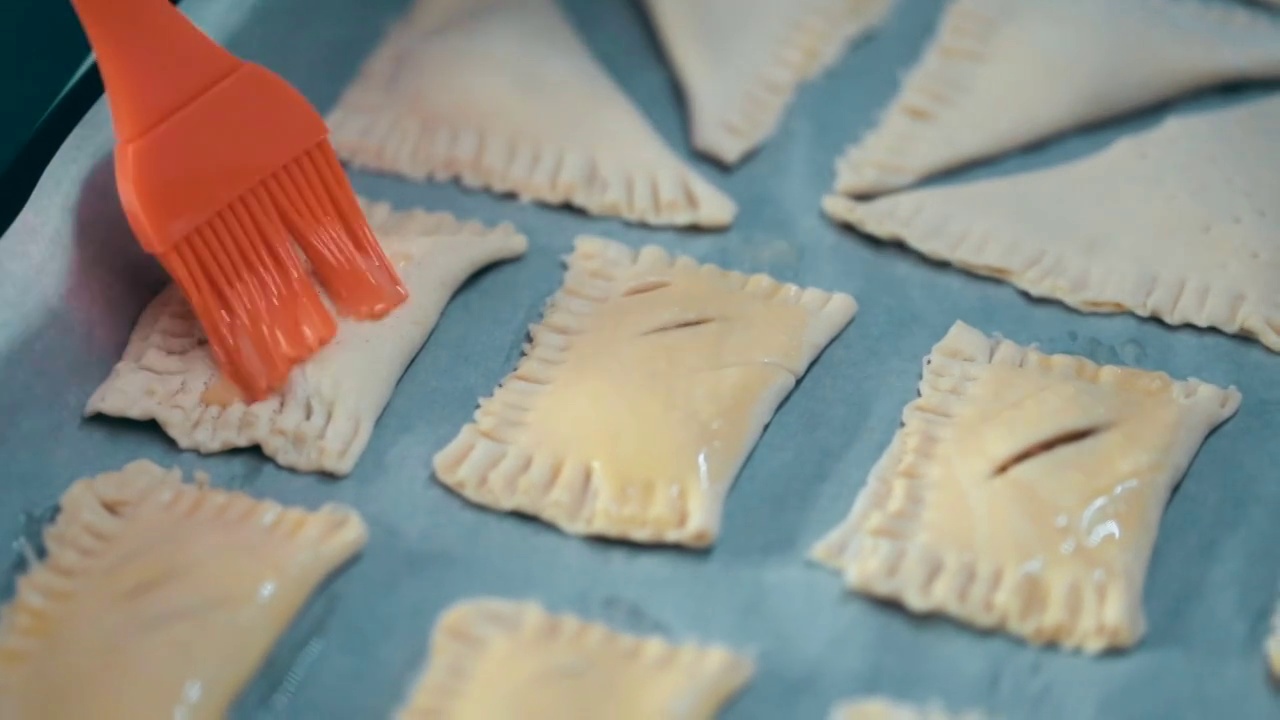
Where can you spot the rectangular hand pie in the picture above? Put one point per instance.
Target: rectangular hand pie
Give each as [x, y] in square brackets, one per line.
[1024, 491]
[160, 599]
[494, 658]
[323, 418]
[644, 389]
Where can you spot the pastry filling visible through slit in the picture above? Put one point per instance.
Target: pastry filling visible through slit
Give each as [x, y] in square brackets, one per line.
[648, 381]
[1061, 495]
[160, 599]
[1024, 491]
[1048, 445]
[663, 391]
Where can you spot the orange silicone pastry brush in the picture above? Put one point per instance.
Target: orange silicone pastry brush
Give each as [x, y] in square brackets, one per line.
[224, 170]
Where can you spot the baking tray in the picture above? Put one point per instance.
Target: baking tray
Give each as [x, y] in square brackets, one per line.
[72, 283]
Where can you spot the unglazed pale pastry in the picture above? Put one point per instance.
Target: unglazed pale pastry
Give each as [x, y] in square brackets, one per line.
[1177, 223]
[160, 599]
[504, 95]
[882, 708]
[646, 385]
[493, 658]
[1023, 491]
[739, 62]
[1003, 74]
[322, 420]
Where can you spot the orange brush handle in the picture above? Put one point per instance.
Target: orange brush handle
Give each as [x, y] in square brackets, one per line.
[153, 60]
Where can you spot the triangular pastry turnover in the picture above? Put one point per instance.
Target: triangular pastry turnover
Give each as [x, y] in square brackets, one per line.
[645, 387]
[492, 658]
[1005, 74]
[739, 62]
[1023, 491]
[504, 95]
[883, 708]
[1177, 223]
[160, 599]
[323, 418]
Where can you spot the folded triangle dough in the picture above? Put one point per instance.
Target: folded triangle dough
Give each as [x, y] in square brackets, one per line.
[323, 418]
[739, 62]
[1024, 491]
[503, 95]
[1177, 223]
[883, 708]
[645, 387]
[160, 599]
[1004, 74]
[492, 658]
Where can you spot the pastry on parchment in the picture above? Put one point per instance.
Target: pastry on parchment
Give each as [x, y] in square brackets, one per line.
[322, 419]
[160, 599]
[644, 388]
[740, 62]
[1004, 74]
[492, 658]
[1024, 491]
[882, 708]
[504, 95]
[1178, 223]
[1273, 645]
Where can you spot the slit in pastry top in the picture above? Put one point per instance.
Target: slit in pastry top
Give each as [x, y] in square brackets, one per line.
[644, 388]
[1024, 491]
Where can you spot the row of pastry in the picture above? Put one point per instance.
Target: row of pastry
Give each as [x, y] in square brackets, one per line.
[115, 590]
[503, 95]
[955, 518]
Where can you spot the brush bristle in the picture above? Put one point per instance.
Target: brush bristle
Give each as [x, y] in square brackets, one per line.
[251, 294]
[318, 206]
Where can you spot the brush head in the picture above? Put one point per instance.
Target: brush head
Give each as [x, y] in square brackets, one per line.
[222, 192]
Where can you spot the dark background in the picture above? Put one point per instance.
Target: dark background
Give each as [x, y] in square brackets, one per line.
[44, 93]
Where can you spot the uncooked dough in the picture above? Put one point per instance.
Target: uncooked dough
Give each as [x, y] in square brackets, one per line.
[1024, 491]
[322, 420]
[504, 95]
[647, 383]
[1004, 74]
[883, 708]
[160, 599]
[1273, 645]
[492, 658]
[739, 62]
[1177, 223]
